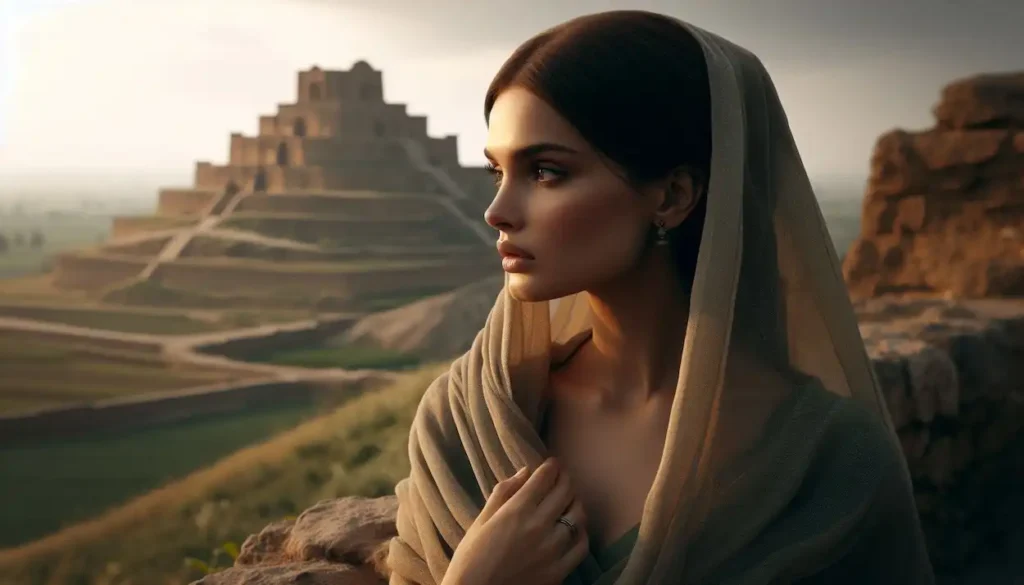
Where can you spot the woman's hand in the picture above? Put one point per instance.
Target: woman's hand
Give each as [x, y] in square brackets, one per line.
[517, 538]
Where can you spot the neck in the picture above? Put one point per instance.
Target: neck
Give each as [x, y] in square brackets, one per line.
[639, 323]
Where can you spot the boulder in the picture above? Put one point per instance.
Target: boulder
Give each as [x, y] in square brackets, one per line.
[335, 542]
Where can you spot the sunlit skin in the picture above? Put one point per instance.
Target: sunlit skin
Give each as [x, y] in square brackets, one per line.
[585, 228]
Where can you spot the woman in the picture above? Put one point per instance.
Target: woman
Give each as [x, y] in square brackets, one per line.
[673, 365]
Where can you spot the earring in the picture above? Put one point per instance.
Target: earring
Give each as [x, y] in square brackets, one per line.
[661, 238]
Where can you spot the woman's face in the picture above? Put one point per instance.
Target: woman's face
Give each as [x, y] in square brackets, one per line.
[567, 221]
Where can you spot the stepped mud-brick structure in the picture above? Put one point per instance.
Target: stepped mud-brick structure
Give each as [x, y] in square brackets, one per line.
[341, 201]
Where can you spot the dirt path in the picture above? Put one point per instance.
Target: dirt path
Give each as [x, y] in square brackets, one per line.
[256, 238]
[220, 208]
[173, 249]
[184, 349]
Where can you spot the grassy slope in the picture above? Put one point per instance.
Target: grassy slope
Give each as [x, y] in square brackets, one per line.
[358, 449]
[104, 470]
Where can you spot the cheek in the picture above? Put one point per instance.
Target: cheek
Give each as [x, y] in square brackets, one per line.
[590, 224]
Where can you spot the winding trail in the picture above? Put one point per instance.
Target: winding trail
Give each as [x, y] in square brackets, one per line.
[185, 350]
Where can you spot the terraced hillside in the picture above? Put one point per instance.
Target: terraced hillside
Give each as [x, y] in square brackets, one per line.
[331, 250]
[342, 202]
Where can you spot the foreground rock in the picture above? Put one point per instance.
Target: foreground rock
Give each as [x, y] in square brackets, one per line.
[333, 543]
[944, 209]
[953, 377]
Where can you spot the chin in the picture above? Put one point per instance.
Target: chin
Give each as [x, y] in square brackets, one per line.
[532, 288]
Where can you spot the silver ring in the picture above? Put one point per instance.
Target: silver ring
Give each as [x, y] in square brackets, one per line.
[569, 524]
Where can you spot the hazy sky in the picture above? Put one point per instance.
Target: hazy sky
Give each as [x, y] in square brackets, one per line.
[144, 86]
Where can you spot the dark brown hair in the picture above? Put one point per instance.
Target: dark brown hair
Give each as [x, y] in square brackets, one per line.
[634, 84]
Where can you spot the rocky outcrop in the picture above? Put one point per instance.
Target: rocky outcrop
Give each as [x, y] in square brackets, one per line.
[952, 376]
[944, 209]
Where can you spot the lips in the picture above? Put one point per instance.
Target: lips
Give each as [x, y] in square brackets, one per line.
[508, 250]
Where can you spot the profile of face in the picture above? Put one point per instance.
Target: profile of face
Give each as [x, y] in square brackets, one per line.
[567, 218]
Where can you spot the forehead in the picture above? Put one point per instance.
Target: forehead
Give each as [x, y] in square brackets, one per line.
[519, 119]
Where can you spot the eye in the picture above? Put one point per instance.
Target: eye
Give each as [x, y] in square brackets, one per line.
[547, 174]
[495, 173]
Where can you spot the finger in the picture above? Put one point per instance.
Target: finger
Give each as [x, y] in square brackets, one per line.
[576, 514]
[504, 491]
[555, 544]
[572, 558]
[559, 538]
[556, 501]
[537, 485]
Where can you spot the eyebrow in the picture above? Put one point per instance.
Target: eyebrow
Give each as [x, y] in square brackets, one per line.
[535, 149]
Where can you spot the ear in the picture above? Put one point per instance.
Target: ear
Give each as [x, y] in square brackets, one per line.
[680, 194]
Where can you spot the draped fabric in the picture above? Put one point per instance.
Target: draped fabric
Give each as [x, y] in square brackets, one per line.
[806, 496]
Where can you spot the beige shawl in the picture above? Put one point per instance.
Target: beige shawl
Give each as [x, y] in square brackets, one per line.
[808, 496]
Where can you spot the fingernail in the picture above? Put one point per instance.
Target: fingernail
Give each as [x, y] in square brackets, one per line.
[521, 472]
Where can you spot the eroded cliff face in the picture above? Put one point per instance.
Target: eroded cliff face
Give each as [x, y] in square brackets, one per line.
[944, 209]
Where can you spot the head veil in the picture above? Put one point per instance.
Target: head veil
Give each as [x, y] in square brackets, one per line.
[767, 273]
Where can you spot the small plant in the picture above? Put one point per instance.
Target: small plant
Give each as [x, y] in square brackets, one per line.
[228, 549]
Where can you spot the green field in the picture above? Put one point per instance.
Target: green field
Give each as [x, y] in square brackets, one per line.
[358, 449]
[52, 485]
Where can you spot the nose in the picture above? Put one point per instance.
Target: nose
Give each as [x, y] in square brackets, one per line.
[504, 214]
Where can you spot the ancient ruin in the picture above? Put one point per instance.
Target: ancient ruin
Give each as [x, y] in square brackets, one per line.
[944, 210]
[342, 201]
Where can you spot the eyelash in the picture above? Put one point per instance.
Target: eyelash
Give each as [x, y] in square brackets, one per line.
[497, 174]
